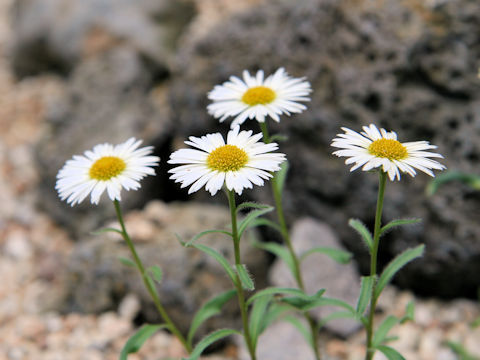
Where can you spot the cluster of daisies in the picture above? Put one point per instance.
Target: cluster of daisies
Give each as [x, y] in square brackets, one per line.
[243, 160]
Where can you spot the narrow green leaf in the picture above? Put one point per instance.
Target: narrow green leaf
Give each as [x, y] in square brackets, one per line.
[245, 277]
[383, 329]
[127, 262]
[252, 215]
[274, 312]
[306, 333]
[398, 222]
[340, 256]
[281, 176]
[209, 309]
[155, 273]
[365, 294]
[469, 179]
[409, 313]
[210, 339]
[365, 234]
[303, 303]
[278, 137]
[343, 314]
[251, 205]
[324, 301]
[276, 291]
[265, 222]
[206, 232]
[278, 250]
[395, 265]
[458, 349]
[136, 340]
[106, 230]
[257, 317]
[390, 353]
[217, 256]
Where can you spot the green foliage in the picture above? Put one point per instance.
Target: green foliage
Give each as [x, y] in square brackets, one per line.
[203, 233]
[382, 331]
[458, 349]
[364, 233]
[275, 291]
[278, 137]
[365, 294]
[208, 340]
[127, 262]
[245, 278]
[469, 179]
[398, 222]
[209, 309]
[106, 230]
[305, 302]
[257, 318]
[266, 222]
[340, 256]
[250, 217]
[409, 313]
[395, 265]
[278, 250]
[307, 335]
[390, 353]
[251, 205]
[155, 273]
[136, 340]
[281, 176]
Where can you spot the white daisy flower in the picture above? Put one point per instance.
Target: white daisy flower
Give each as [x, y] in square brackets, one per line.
[256, 97]
[105, 167]
[238, 164]
[373, 148]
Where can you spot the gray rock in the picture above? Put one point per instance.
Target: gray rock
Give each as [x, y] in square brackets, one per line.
[109, 98]
[280, 341]
[97, 281]
[406, 68]
[55, 35]
[341, 281]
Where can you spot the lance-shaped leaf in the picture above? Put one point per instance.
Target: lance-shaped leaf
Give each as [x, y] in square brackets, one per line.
[390, 353]
[266, 222]
[245, 278]
[398, 222]
[136, 340]
[278, 137]
[278, 250]
[382, 331]
[127, 262]
[471, 180]
[275, 291]
[365, 234]
[324, 301]
[409, 313]
[210, 339]
[340, 256]
[251, 216]
[395, 265]
[206, 232]
[216, 255]
[307, 335]
[251, 205]
[257, 318]
[281, 176]
[303, 303]
[365, 294]
[209, 309]
[155, 273]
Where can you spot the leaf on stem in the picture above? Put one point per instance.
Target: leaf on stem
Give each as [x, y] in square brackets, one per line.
[136, 340]
[209, 309]
[382, 331]
[257, 318]
[127, 262]
[278, 137]
[395, 265]
[245, 278]
[340, 256]
[398, 222]
[390, 353]
[300, 326]
[278, 250]
[276, 291]
[281, 176]
[252, 215]
[206, 232]
[155, 273]
[210, 339]
[266, 222]
[251, 205]
[409, 313]
[106, 230]
[365, 234]
[365, 294]
[304, 303]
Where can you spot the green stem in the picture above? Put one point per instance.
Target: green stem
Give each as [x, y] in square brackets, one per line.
[148, 284]
[238, 282]
[373, 262]
[286, 238]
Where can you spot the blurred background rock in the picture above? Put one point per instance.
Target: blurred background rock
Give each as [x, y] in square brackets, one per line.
[77, 73]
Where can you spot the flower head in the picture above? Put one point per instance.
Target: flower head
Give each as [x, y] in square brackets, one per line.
[238, 164]
[256, 97]
[105, 167]
[374, 148]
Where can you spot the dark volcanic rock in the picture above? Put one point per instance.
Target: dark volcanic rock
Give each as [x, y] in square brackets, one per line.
[405, 66]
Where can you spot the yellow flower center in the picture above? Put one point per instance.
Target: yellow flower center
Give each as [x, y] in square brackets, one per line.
[106, 168]
[388, 148]
[258, 95]
[227, 158]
